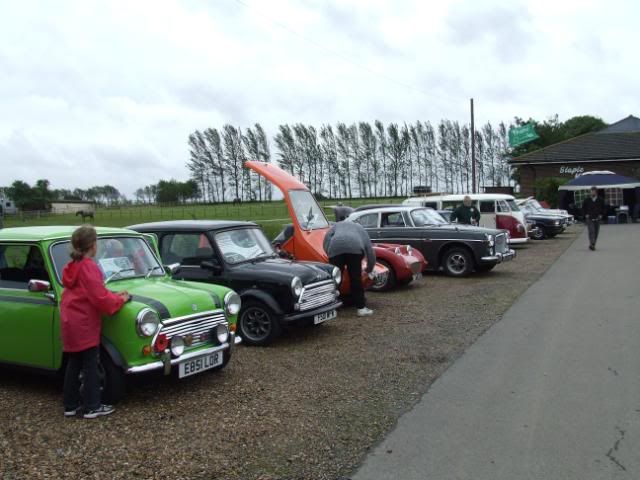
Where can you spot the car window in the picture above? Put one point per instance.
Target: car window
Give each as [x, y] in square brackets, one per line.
[487, 206]
[450, 205]
[513, 205]
[188, 249]
[503, 207]
[370, 220]
[426, 216]
[243, 244]
[19, 264]
[392, 219]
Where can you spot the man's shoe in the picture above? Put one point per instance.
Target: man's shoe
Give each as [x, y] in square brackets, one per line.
[100, 411]
[592, 247]
[72, 413]
[364, 312]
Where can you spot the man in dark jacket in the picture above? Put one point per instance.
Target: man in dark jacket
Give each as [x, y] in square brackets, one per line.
[466, 213]
[346, 244]
[593, 210]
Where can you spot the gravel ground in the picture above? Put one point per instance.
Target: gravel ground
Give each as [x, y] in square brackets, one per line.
[309, 407]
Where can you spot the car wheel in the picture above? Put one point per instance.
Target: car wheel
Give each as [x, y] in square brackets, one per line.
[457, 262]
[112, 380]
[539, 234]
[257, 324]
[387, 283]
[485, 268]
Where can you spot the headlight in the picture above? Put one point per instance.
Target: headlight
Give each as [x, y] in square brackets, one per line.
[177, 346]
[489, 239]
[409, 250]
[556, 222]
[397, 251]
[337, 275]
[222, 332]
[147, 322]
[232, 303]
[296, 286]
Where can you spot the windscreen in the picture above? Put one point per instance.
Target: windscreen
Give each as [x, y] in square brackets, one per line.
[426, 216]
[244, 244]
[309, 214]
[513, 205]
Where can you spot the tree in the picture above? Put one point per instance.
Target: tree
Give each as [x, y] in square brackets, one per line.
[234, 157]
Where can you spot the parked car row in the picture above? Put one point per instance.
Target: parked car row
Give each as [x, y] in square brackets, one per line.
[199, 288]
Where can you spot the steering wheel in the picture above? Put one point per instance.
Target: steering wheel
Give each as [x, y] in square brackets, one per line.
[233, 257]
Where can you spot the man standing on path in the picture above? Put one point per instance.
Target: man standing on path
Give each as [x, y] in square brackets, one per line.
[466, 213]
[593, 210]
[346, 243]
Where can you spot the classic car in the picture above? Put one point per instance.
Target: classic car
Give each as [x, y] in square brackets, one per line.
[456, 249]
[534, 204]
[169, 326]
[275, 292]
[548, 226]
[303, 239]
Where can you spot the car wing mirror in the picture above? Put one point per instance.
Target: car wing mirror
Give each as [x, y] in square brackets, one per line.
[39, 286]
[211, 265]
[172, 268]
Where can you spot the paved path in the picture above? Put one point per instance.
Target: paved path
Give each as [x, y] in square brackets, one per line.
[550, 392]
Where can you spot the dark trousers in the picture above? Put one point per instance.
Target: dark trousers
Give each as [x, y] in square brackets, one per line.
[353, 262]
[594, 229]
[87, 362]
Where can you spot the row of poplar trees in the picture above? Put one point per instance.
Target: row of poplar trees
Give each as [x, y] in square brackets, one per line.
[347, 161]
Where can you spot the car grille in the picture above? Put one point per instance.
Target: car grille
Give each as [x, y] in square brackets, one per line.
[415, 267]
[198, 326]
[501, 243]
[317, 294]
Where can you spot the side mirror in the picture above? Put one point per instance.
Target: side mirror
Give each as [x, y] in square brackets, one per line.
[39, 286]
[172, 268]
[212, 265]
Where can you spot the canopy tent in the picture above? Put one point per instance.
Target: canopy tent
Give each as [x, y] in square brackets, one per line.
[600, 179]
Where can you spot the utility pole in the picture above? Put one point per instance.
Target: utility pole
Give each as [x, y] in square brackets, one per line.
[473, 152]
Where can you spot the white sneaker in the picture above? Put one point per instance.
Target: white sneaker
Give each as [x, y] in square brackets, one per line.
[364, 312]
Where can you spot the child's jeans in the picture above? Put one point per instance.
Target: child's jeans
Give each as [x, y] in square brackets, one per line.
[87, 361]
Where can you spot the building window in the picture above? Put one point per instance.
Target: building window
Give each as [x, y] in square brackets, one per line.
[613, 196]
[579, 196]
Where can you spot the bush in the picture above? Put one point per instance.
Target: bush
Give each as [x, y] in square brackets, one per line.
[547, 189]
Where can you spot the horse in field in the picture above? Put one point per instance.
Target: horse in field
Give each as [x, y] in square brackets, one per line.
[85, 214]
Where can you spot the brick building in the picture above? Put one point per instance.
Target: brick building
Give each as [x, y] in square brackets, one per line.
[615, 148]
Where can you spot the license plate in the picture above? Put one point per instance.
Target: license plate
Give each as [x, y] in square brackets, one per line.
[199, 364]
[324, 316]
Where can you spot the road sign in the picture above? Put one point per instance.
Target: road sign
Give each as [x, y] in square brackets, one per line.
[521, 135]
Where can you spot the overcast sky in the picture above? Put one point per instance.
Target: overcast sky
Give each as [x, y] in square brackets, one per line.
[107, 92]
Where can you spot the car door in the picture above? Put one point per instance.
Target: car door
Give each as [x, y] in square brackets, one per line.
[370, 223]
[393, 227]
[487, 213]
[27, 333]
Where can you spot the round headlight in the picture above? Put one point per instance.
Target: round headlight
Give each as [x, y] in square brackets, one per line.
[177, 346]
[490, 239]
[222, 332]
[296, 286]
[409, 250]
[232, 303]
[337, 275]
[397, 251]
[147, 322]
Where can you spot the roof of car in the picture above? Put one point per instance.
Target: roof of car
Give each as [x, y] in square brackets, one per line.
[52, 232]
[376, 206]
[386, 208]
[460, 197]
[190, 225]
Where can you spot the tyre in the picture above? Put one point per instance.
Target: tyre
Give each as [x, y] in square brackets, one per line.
[257, 324]
[540, 234]
[112, 380]
[485, 268]
[388, 283]
[457, 262]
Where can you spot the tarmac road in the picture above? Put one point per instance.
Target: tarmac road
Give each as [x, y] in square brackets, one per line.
[552, 391]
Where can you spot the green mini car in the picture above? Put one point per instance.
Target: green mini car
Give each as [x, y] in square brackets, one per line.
[171, 326]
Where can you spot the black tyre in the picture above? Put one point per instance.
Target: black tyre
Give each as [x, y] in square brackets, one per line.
[539, 234]
[485, 268]
[257, 324]
[112, 380]
[388, 283]
[457, 262]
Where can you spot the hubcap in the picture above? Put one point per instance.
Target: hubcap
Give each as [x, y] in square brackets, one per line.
[256, 324]
[457, 263]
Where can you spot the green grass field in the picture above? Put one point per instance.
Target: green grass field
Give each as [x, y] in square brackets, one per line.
[271, 216]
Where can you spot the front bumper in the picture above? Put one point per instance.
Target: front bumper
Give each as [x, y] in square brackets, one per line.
[518, 240]
[166, 362]
[499, 257]
[292, 317]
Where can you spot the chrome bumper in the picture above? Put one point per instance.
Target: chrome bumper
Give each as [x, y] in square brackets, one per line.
[499, 257]
[167, 362]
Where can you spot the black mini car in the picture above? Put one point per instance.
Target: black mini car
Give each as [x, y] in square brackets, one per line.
[275, 292]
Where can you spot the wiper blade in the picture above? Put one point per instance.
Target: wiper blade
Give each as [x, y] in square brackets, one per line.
[118, 273]
[151, 269]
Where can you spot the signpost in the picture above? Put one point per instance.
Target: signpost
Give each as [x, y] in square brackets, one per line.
[521, 135]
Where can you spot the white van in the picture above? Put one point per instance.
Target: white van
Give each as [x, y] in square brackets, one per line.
[496, 211]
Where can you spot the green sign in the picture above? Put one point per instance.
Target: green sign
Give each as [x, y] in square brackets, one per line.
[521, 135]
